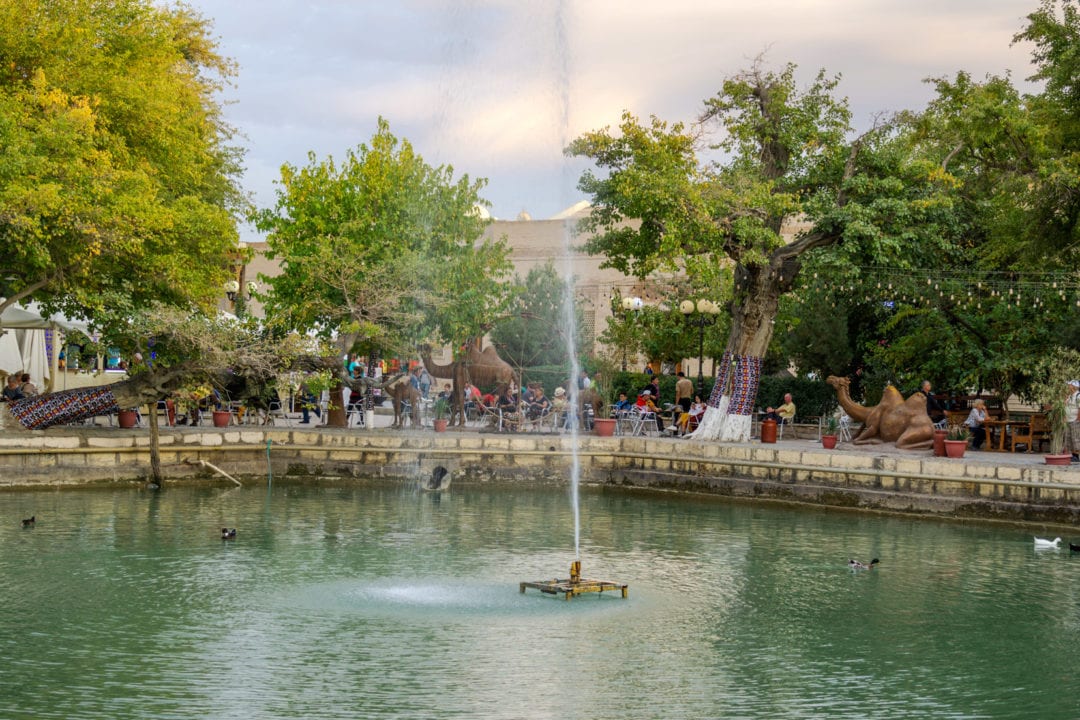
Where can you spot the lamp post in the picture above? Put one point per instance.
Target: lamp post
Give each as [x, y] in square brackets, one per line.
[232, 292]
[629, 305]
[703, 314]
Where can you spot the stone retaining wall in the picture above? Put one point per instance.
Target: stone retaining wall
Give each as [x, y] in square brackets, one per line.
[911, 482]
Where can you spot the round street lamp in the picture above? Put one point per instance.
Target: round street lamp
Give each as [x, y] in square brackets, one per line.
[703, 314]
[232, 287]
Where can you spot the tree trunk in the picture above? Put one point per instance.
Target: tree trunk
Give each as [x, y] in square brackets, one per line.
[155, 445]
[335, 413]
[729, 413]
[66, 406]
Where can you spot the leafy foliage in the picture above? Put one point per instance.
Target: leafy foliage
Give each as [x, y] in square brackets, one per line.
[117, 174]
[534, 332]
[381, 249]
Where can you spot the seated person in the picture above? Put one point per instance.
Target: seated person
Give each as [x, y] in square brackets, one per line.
[508, 408]
[507, 401]
[539, 405]
[13, 389]
[692, 416]
[29, 389]
[645, 404]
[560, 403]
[974, 422]
[530, 393]
[621, 406]
[783, 415]
[444, 394]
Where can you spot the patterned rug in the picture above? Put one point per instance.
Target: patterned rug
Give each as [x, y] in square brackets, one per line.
[67, 406]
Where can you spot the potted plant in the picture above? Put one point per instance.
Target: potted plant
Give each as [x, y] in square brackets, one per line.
[603, 423]
[829, 436]
[127, 418]
[1052, 390]
[442, 412]
[956, 442]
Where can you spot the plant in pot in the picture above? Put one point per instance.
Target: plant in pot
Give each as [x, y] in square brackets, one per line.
[1053, 391]
[441, 409]
[601, 399]
[829, 435]
[956, 442]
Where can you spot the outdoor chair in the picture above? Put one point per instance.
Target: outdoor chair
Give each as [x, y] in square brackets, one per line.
[277, 410]
[1035, 432]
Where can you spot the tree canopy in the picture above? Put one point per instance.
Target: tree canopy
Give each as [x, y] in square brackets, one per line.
[983, 180]
[117, 172]
[382, 250]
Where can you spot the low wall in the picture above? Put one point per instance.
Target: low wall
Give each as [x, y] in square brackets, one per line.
[908, 482]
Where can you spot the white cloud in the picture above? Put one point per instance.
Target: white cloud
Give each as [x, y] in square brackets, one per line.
[496, 87]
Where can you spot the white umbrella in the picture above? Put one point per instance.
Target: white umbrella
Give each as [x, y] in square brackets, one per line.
[35, 359]
[10, 355]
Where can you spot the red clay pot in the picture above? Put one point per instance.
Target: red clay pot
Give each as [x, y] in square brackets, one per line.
[939, 442]
[604, 427]
[955, 448]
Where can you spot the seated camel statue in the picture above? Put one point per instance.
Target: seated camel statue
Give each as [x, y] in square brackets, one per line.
[894, 419]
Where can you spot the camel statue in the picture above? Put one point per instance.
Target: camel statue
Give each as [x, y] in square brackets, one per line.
[894, 419]
[483, 368]
[401, 391]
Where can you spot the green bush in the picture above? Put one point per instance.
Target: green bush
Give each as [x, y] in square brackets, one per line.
[812, 397]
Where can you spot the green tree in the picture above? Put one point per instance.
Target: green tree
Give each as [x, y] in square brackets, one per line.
[534, 332]
[117, 172]
[381, 250]
[788, 153]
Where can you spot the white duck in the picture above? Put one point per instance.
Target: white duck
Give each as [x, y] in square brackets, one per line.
[1044, 543]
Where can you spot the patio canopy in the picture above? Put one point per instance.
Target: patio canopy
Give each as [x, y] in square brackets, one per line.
[30, 317]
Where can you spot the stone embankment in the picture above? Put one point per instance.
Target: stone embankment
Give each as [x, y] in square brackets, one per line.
[983, 485]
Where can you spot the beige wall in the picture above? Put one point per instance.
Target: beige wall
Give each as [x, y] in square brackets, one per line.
[534, 242]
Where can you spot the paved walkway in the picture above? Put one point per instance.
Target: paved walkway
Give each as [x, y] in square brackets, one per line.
[384, 418]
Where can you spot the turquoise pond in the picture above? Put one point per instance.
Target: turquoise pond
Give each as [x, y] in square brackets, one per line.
[378, 601]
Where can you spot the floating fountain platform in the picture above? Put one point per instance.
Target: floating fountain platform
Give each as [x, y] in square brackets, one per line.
[574, 585]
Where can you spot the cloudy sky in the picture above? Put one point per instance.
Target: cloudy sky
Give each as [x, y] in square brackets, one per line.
[496, 88]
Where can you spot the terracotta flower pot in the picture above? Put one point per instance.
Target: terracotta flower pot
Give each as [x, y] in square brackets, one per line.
[439, 424]
[604, 427]
[955, 448]
[828, 441]
[1062, 459]
[939, 442]
[221, 418]
[127, 418]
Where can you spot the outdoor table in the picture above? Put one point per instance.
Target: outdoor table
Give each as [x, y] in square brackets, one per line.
[1001, 428]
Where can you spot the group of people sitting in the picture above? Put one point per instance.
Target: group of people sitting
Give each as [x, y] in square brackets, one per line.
[685, 413]
[504, 403]
[18, 387]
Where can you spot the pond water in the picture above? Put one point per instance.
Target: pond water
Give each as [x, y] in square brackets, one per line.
[381, 602]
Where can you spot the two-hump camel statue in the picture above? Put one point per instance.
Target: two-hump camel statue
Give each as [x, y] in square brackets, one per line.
[894, 419]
